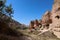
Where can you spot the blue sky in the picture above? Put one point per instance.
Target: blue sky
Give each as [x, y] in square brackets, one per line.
[27, 10]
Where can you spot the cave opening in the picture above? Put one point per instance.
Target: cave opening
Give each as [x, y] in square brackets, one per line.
[57, 17]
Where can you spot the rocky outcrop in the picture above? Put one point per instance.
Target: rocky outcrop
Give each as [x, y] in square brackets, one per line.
[51, 19]
[35, 24]
[46, 19]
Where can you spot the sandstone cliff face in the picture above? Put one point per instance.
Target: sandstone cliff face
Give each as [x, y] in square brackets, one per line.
[55, 26]
[35, 24]
[52, 19]
[46, 19]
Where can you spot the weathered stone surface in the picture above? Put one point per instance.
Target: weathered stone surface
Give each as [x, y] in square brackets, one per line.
[46, 18]
[35, 24]
[51, 19]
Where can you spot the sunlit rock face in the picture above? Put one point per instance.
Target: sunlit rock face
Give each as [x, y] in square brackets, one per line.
[46, 19]
[35, 24]
[51, 19]
[31, 25]
[56, 12]
[55, 26]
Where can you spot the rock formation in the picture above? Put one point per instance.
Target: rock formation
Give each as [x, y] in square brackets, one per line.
[34, 24]
[55, 26]
[51, 19]
[48, 28]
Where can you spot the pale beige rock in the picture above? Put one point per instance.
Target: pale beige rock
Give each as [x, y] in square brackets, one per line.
[51, 19]
[55, 26]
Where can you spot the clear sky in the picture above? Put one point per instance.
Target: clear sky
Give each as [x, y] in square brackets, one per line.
[27, 10]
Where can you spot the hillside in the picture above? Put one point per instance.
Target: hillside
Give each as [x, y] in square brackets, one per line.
[13, 33]
[48, 28]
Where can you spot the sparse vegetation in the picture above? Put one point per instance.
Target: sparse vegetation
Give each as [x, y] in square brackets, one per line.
[21, 32]
[5, 10]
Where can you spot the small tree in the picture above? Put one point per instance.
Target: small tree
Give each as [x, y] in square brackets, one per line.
[5, 11]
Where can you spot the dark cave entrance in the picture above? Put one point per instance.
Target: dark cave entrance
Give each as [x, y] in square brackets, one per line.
[57, 17]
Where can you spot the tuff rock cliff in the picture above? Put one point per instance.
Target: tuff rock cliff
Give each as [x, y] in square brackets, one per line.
[50, 20]
[47, 28]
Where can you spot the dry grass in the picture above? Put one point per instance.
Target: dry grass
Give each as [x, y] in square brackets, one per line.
[35, 36]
